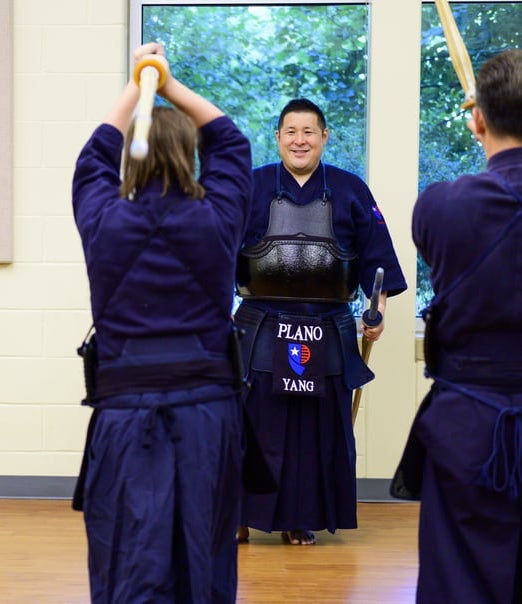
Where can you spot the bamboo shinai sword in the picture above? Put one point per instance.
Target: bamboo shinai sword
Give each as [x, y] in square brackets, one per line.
[371, 317]
[458, 52]
[150, 75]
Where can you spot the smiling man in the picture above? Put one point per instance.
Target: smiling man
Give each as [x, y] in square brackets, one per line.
[315, 235]
[301, 137]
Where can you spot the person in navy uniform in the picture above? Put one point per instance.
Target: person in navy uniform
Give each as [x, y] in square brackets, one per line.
[162, 477]
[463, 458]
[315, 235]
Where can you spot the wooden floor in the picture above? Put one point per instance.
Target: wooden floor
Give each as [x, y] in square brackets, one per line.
[43, 559]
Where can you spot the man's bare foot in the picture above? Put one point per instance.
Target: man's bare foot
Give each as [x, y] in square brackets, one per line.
[298, 537]
[242, 534]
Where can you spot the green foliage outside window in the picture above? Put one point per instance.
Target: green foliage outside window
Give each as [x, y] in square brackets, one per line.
[447, 147]
[251, 60]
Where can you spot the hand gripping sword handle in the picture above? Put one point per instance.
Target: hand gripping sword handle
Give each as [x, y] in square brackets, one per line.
[372, 317]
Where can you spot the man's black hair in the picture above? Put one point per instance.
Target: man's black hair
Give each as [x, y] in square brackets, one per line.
[302, 106]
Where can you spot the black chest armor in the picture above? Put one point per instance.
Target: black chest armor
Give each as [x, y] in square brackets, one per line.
[299, 258]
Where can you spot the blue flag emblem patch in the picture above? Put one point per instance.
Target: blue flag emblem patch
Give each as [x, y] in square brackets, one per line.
[298, 356]
[299, 353]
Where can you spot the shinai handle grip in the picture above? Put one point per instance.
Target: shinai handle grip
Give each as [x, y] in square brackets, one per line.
[150, 75]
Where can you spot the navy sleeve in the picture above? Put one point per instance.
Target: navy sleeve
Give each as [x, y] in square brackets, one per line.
[360, 223]
[226, 170]
[96, 179]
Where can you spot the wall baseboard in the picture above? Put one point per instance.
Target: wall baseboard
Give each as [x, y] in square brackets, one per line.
[37, 487]
[62, 487]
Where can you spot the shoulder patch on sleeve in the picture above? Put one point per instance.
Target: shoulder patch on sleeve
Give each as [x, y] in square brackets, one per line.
[378, 214]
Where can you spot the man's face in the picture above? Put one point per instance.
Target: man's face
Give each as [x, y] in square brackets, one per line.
[301, 142]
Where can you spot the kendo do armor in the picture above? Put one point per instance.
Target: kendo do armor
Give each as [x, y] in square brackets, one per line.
[299, 258]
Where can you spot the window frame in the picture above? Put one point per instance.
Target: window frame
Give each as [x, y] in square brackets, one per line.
[6, 163]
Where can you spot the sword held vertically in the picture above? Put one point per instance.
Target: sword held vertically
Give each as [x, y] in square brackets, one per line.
[150, 75]
[458, 52]
[371, 317]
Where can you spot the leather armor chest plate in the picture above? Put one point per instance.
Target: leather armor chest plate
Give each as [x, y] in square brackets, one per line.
[299, 257]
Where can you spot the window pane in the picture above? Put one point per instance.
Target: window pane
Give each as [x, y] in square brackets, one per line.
[447, 148]
[252, 59]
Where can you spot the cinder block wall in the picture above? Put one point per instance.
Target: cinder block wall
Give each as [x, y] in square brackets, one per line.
[69, 61]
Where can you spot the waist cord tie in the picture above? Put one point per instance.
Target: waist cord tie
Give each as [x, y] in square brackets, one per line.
[502, 471]
[165, 414]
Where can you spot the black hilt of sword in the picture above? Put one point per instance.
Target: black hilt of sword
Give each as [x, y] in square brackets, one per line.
[371, 316]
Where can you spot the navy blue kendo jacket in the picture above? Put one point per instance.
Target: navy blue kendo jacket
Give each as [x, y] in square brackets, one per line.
[161, 294]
